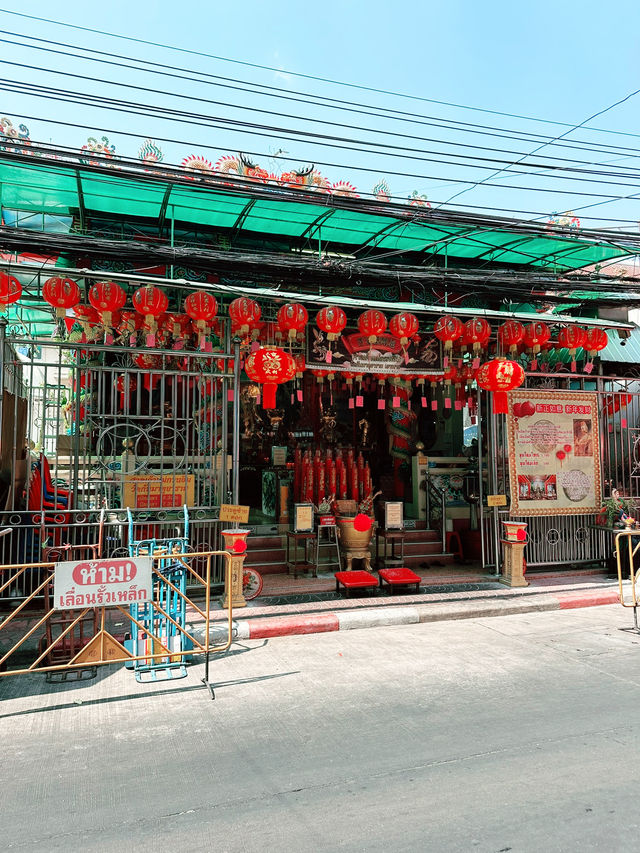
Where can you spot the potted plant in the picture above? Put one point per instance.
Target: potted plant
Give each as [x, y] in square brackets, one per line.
[613, 508]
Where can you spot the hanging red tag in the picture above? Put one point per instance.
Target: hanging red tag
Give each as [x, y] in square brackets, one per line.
[292, 398]
[434, 405]
[447, 402]
[133, 340]
[534, 364]
[476, 363]
[299, 395]
[623, 423]
[423, 401]
[574, 366]
[351, 403]
[230, 396]
[381, 404]
[328, 357]
[396, 402]
[359, 401]
[458, 405]
[445, 362]
[408, 404]
[588, 367]
[151, 341]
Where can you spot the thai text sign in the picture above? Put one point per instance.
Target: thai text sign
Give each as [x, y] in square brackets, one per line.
[554, 453]
[155, 492]
[102, 583]
[237, 513]
[353, 352]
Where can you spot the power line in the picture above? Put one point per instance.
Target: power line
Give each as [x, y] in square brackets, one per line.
[134, 108]
[278, 92]
[301, 75]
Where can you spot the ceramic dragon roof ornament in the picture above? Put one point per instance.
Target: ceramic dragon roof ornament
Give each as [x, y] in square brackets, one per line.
[100, 149]
[8, 131]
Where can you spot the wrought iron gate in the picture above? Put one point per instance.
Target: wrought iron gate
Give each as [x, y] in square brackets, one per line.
[108, 427]
[570, 539]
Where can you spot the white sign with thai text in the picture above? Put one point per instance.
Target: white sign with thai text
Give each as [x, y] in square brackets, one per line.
[102, 583]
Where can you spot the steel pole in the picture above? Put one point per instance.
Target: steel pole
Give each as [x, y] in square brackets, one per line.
[235, 439]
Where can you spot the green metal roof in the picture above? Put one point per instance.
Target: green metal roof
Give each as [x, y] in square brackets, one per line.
[48, 187]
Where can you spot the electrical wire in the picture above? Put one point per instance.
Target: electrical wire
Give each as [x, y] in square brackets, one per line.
[312, 77]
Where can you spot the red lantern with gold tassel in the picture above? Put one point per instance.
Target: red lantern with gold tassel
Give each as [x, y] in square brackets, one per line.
[332, 321]
[245, 313]
[292, 319]
[511, 335]
[270, 367]
[202, 307]
[150, 302]
[107, 297]
[61, 294]
[448, 329]
[536, 335]
[499, 376]
[371, 324]
[595, 340]
[404, 326]
[477, 333]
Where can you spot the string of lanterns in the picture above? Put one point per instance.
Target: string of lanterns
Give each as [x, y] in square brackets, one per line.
[271, 365]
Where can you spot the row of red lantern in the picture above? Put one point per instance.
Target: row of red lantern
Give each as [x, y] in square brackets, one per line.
[513, 334]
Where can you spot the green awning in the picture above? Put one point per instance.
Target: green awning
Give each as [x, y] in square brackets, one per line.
[51, 188]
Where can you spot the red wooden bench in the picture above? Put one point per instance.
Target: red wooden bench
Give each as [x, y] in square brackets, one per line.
[355, 580]
[399, 577]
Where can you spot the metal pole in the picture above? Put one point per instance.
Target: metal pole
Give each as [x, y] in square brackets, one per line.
[235, 445]
[494, 488]
[480, 478]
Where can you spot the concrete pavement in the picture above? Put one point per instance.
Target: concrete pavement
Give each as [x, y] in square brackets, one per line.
[515, 733]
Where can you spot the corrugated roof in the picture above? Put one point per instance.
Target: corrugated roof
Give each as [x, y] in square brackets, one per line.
[51, 188]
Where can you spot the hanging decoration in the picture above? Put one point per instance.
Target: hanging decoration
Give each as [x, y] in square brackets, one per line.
[202, 307]
[88, 318]
[107, 297]
[596, 340]
[10, 290]
[332, 321]
[61, 294]
[129, 325]
[244, 314]
[150, 302]
[536, 335]
[270, 367]
[572, 338]
[448, 329]
[477, 333]
[372, 323]
[499, 376]
[403, 327]
[511, 335]
[292, 318]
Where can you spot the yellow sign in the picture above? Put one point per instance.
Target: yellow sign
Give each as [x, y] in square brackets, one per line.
[149, 491]
[103, 647]
[234, 512]
[496, 500]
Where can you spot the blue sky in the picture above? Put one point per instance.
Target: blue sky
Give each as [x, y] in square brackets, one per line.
[558, 61]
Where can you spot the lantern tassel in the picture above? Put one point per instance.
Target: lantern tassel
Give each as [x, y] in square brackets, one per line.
[500, 403]
[269, 395]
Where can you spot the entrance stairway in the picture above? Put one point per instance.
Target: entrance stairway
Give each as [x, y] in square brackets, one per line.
[422, 549]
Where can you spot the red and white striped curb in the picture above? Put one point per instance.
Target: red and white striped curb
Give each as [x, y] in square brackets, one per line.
[265, 627]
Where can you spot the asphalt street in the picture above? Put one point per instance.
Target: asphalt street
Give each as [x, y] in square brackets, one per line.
[514, 733]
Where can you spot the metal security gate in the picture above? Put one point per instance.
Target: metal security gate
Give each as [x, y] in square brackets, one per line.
[569, 539]
[109, 427]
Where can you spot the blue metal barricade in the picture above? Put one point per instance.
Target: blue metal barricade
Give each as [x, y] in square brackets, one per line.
[170, 585]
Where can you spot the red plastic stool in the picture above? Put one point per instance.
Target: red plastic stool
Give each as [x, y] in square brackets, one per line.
[453, 544]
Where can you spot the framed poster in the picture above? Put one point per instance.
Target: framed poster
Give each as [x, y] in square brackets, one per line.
[303, 518]
[554, 453]
[393, 518]
[150, 491]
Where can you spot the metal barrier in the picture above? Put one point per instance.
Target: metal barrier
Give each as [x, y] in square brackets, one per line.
[630, 550]
[102, 647]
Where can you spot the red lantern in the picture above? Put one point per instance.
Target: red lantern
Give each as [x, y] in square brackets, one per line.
[61, 293]
[300, 364]
[477, 332]
[372, 323]
[331, 320]
[150, 302]
[596, 340]
[572, 337]
[404, 326]
[510, 335]
[10, 290]
[536, 335]
[202, 307]
[292, 318]
[87, 316]
[270, 367]
[448, 329]
[499, 376]
[244, 314]
[106, 297]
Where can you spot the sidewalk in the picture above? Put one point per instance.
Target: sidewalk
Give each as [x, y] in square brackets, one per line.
[465, 597]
